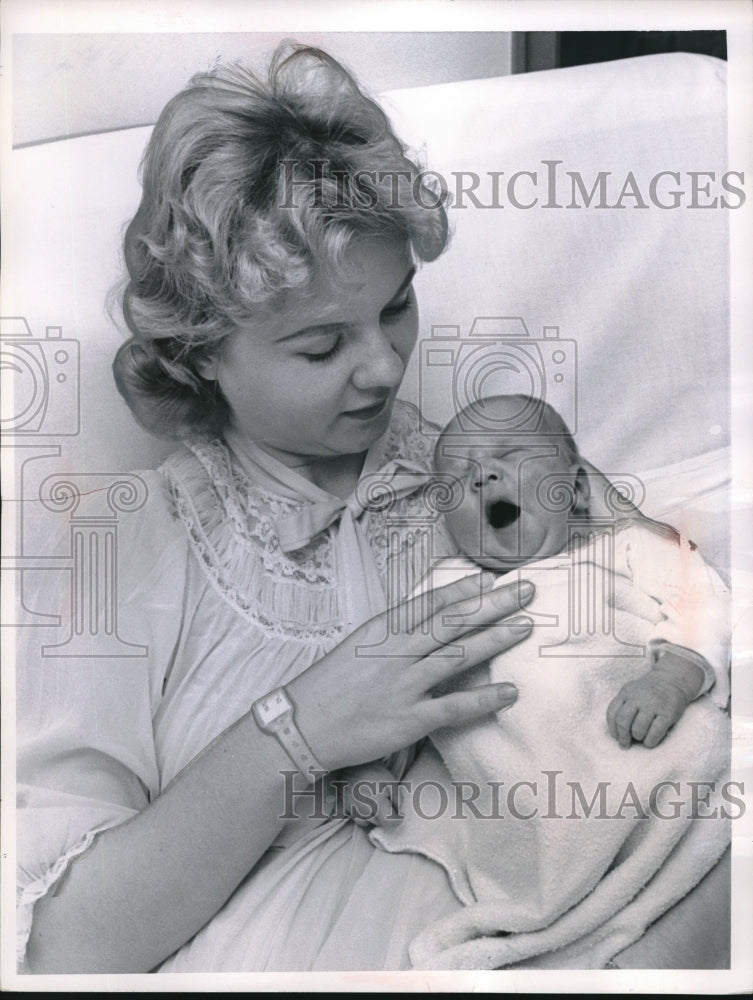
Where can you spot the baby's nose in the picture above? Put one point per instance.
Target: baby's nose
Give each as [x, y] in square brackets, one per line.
[481, 478]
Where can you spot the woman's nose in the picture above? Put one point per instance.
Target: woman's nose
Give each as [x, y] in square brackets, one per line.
[379, 365]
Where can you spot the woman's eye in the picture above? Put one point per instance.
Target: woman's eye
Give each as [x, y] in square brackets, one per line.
[393, 312]
[325, 355]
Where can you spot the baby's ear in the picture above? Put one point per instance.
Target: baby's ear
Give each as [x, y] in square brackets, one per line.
[582, 496]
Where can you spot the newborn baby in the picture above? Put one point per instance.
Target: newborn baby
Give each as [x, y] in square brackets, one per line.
[526, 497]
[552, 817]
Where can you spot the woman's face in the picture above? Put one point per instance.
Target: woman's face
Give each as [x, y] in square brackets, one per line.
[317, 375]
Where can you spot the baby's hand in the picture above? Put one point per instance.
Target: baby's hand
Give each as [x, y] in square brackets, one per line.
[367, 793]
[646, 709]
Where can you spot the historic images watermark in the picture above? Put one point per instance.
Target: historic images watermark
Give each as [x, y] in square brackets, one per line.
[546, 796]
[549, 185]
[41, 410]
[499, 356]
[42, 395]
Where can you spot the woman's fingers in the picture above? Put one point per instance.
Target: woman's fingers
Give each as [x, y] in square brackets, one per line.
[466, 591]
[411, 616]
[351, 715]
[471, 649]
[465, 611]
[463, 706]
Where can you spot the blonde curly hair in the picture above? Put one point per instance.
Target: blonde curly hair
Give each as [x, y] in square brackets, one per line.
[250, 187]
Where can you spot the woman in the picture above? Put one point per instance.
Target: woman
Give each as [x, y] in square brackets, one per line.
[272, 315]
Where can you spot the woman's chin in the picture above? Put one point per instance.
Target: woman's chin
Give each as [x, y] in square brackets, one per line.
[359, 435]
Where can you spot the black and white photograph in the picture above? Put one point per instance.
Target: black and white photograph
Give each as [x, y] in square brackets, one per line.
[377, 553]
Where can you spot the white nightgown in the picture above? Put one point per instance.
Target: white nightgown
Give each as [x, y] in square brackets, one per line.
[226, 615]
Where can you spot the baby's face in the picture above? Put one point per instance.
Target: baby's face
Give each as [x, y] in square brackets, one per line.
[511, 510]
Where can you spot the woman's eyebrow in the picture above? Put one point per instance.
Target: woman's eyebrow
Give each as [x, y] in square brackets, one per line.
[335, 327]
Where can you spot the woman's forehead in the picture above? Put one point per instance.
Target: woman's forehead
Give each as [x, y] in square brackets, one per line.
[372, 273]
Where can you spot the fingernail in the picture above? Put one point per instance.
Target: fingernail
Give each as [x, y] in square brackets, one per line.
[507, 692]
[525, 591]
[520, 624]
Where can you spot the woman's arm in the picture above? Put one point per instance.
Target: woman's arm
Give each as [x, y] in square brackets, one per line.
[145, 887]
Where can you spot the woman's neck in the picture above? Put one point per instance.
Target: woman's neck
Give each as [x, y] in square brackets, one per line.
[335, 474]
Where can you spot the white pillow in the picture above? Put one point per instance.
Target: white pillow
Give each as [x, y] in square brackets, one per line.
[639, 295]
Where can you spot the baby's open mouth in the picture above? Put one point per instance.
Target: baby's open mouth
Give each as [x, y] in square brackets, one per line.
[501, 513]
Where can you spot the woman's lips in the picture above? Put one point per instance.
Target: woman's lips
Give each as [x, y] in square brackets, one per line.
[367, 412]
[502, 513]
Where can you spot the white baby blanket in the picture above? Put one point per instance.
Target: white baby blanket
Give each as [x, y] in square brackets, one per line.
[563, 845]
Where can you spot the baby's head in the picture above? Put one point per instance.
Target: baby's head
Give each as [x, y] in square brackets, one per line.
[522, 486]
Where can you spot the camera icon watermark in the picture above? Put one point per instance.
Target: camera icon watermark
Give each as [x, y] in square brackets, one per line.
[41, 402]
[498, 357]
[40, 381]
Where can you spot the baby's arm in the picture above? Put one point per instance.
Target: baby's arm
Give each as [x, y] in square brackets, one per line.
[689, 645]
[646, 709]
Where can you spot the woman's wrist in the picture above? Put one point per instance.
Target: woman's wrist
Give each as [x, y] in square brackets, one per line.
[275, 715]
[316, 721]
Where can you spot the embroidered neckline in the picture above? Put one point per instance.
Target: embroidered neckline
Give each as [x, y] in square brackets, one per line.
[229, 520]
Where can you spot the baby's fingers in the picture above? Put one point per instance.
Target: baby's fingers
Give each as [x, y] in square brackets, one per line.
[642, 724]
[612, 711]
[620, 716]
[657, 731]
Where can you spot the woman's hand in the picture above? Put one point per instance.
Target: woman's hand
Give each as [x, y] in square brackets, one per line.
[374, 692]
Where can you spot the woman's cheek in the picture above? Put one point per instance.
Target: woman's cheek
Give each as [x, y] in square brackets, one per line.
[411, 336]
[405, 338]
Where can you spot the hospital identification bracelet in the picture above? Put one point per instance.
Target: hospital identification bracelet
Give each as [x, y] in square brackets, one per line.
[275, 714]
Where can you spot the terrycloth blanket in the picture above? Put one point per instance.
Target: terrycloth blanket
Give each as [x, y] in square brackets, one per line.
[563, 845]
